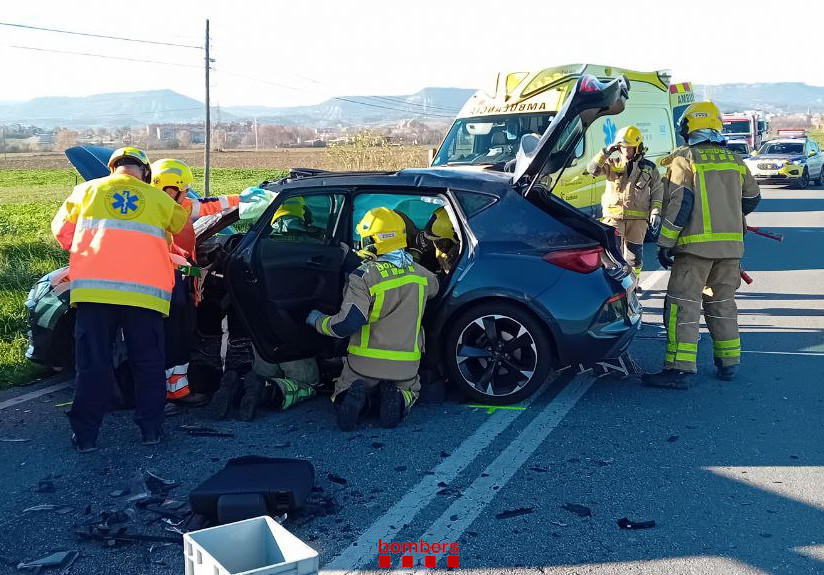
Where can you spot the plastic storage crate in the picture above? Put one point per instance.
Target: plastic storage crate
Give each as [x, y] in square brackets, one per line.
[256, 546]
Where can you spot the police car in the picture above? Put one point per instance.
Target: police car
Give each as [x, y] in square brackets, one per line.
[793, 158]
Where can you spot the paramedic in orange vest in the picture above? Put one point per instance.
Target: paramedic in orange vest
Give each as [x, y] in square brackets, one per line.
[175, 178]
[117, 230]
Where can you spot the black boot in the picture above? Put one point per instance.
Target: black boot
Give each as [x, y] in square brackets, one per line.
[668, 379]
[226, 395]
[392, 404]
[253, 388]
[726, 372]
[352, 406]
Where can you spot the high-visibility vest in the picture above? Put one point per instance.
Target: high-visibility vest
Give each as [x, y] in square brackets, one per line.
[117, 230]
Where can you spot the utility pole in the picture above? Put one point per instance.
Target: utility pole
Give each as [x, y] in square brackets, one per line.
[208, 119]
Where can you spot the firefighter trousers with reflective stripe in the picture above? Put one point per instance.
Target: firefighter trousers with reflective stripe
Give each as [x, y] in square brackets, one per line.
[682, 310]
[96, 328]
[410, 388]
[632, 234]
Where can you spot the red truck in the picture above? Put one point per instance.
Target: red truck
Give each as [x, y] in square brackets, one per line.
[750, 125]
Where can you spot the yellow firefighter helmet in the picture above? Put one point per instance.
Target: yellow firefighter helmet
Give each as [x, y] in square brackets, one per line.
[169, 173]
[700, 116]
[382, 231]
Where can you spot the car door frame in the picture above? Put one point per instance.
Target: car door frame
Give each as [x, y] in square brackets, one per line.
[273, 342]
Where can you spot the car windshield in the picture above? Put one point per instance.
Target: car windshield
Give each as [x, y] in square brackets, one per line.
[488, 139]
[736, 127]
[785, 148]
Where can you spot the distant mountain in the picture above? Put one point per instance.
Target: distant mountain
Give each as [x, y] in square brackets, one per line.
[775, 98]
[105, 110]
[166, 106]
[430, 103]
[433, 104]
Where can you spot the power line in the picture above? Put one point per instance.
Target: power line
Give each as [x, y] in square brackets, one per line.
[338, 98]
[39, 28]
[101, 56]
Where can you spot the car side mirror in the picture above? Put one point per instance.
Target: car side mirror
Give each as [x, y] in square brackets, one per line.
[572, 162]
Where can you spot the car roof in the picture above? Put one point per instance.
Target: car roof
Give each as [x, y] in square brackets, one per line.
[799, 140]
[488, 181]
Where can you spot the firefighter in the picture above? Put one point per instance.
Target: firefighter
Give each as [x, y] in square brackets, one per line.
[440, 232]
[383, 304]
[709, 191]
[175, 178]
[116, 230]
[632, 199]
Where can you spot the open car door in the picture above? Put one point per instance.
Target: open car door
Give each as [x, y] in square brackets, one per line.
[287, 265]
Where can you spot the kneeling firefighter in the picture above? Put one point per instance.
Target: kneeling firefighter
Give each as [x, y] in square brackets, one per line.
[383, 304]
[709, 192]
[632, 199]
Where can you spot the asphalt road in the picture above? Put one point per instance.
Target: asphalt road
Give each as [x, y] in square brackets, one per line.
[732, 473]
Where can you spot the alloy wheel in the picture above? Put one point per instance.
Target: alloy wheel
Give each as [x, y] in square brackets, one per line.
[496, 355]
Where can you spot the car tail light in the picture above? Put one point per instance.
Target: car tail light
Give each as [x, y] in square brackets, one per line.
[582, 260]
[616, 297]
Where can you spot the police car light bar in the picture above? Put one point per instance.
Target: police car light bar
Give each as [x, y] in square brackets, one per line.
[794, 133]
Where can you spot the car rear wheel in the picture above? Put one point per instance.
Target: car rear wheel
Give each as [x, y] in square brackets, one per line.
[817, 181]
[498, 353]
[804, 181]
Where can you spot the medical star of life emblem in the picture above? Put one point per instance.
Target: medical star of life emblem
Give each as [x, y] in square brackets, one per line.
[125, 204]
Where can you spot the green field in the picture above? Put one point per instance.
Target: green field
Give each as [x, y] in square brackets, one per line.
[29, 199]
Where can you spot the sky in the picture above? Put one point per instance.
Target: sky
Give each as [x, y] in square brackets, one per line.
[299, 52]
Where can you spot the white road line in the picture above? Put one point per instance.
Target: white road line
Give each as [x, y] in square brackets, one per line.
[480, 493]
[651, 281]
[810, 353]
[390, 523]
[34, 394]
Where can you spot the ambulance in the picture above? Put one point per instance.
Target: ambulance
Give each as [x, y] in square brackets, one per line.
[487, 132]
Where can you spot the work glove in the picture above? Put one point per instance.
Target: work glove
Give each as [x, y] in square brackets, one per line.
[313, 316]
[609, 150]
[654, 223]
[665, 257]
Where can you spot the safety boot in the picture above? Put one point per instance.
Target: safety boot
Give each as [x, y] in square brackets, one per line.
[226, 395]
[668, 379]
[83, 446]
[395, 403]
[352, 405]
[288, 392]
[726, 372]
[152, 436]
[253, 388]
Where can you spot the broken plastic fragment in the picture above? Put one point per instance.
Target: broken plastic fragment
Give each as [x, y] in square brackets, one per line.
[336, 479]
[625, 523]
[509, 513]
[579, 510]
[158, 485]
[61, 559]
[119, 492]
[43, 507]
[13, 440]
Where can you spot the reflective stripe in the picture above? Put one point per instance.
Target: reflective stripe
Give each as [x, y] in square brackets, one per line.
[687, 346]
[378, 291]
[636, 213]
[727, 353]
[385, 354]
[717, 237]
[324, 325]
[396, 283]
[685, 356]
[113, 224]
[672, 343]
[195, 213]
[224, 202]
[727, 343]
[619, 210]
[669, 233]
[131, 287]
[705, 200]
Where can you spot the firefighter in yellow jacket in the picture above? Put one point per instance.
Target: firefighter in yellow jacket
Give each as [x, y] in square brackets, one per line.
[383, 305]
[709, 191]
[632, 199]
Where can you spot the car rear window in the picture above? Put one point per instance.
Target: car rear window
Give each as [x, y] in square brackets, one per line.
[474, 202]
